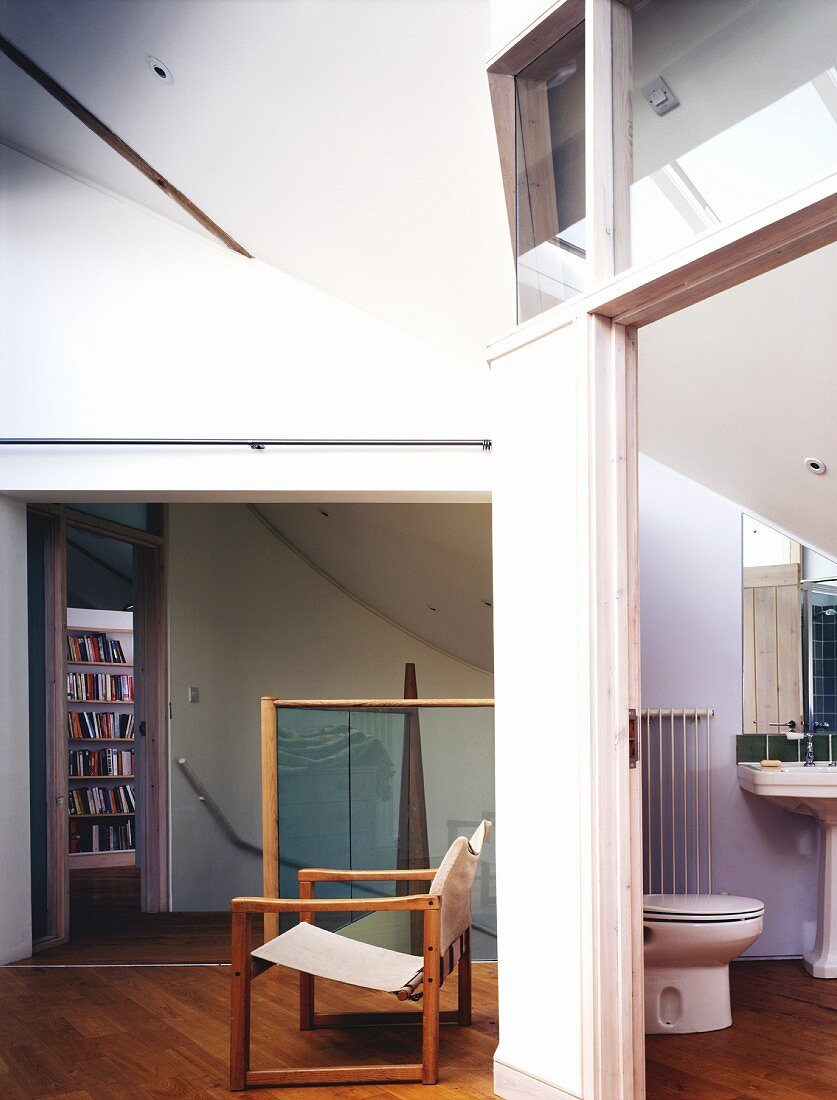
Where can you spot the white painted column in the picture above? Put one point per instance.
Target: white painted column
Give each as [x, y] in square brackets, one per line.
[542, 730]
[15, 902]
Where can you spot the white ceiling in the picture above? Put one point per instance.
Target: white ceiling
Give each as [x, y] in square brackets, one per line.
[737, 391]
[348, 143]
[404, 559]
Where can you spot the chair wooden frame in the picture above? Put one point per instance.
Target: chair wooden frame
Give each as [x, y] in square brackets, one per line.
[434, 971]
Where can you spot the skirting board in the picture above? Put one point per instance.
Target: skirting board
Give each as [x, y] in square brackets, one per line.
[512, 1083]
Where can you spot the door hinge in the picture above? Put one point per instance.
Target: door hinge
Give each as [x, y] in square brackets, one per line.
[633, 741]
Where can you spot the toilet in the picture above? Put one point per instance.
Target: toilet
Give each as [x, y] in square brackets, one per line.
[690, 940]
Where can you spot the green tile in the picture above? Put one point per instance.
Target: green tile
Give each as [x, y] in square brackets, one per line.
[782, 748]
[749, 747]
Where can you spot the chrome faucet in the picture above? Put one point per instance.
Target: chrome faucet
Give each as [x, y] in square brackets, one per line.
[809, 750]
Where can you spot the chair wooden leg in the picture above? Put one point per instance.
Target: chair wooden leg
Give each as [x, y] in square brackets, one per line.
[463, 1006]
[306, 981]
[240, 1001]
[430, 999]
[306, 1001]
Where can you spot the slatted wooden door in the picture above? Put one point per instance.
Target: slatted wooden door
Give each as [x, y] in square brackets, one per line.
[772, 647]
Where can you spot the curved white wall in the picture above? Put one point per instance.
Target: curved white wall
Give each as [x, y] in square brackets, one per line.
[248, 618]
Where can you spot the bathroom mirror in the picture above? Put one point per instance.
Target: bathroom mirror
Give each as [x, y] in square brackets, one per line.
[789, 619]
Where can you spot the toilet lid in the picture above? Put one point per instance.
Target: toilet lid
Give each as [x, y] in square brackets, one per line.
[705, 907]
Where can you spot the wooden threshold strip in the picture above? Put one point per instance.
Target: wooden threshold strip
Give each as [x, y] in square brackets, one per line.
[334, 1075]
[27, 65]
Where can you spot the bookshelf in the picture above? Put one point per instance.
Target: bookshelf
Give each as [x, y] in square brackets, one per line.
[101, 772]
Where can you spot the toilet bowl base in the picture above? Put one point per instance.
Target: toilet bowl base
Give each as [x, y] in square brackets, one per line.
[682, 1000]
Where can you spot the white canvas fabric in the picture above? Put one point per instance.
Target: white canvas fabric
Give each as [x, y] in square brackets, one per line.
[454, 881]
[313, 950]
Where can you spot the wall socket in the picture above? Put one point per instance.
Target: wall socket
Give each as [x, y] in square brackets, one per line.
[193, 695]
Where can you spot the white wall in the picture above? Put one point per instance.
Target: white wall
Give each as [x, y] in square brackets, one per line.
[690, 562]
[15, 901]
[248, 618]
[539, 642]
[115, 321]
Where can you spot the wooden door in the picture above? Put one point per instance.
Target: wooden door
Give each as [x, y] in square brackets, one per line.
[772, 648]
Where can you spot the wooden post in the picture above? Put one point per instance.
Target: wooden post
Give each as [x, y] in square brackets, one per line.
[413, 847]
[430, 999]
[306, 981]
[270, 812]
[240, 1001]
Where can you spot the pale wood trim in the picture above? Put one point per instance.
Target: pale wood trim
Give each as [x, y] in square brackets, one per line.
[719, 259]
[151, 707]
[628, 341]
[623, 132]
[374, 704]
[501, 90]
[537, 37]
[611, 809]
[598, 138]
[771, 576]
[270, 812]
[537, 204]
[750, 706]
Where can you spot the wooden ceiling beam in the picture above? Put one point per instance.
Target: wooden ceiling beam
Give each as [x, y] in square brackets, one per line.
[27, 65]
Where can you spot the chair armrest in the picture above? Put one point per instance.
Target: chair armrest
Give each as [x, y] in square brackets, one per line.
[325, 874]
[333, 905]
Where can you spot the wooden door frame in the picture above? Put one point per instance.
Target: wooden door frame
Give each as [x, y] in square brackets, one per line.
[151, 707]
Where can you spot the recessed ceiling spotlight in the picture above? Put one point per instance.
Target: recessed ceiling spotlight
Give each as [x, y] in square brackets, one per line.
[815, 465]
[323, 512]
[161, 71]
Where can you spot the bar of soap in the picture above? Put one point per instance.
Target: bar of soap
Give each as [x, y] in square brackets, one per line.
[770, 763]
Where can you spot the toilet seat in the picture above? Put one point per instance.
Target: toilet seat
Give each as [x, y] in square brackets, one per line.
[699, 908]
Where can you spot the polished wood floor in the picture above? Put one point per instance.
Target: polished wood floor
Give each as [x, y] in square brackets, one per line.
[123, 1033]
[782, 1043]
[76, 1031]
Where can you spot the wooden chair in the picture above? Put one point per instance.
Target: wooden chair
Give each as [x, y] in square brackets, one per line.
[315, 952]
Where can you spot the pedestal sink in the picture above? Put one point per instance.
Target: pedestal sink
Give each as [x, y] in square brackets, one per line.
[811, 791]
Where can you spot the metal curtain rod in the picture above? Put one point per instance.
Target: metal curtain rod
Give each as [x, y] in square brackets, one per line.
[253, 444]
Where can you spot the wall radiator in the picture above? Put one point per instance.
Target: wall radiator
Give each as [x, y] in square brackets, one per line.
[677, 800]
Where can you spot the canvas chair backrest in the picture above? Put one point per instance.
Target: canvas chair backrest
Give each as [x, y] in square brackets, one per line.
[454, 880]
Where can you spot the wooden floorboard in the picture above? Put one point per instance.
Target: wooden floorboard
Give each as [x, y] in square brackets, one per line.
[114, 1032]
[782, 1044]
[109, 1033]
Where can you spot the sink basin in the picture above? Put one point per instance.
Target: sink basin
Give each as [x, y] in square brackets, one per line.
[811, 791]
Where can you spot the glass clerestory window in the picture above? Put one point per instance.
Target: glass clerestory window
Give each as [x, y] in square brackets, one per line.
[551, 245]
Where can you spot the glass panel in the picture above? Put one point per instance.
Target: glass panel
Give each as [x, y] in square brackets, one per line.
[550, 194]
[734, 106]
[131, 515]
[314, 816]
[344, 783]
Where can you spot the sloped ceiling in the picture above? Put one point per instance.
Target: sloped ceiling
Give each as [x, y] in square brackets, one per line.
[348, 143]
[403, 560]
[738, 391]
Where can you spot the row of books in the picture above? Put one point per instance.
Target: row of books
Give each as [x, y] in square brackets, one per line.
[100, 685]
[101, 762]
[101, 800]
[99, 724]
[92, 837]
[95, 649]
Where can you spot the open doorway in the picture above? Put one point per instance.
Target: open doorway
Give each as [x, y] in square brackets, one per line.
[737, 563]
[97, 726]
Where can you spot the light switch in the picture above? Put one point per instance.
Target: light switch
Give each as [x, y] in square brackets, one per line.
[193, 695]
[658, 94]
